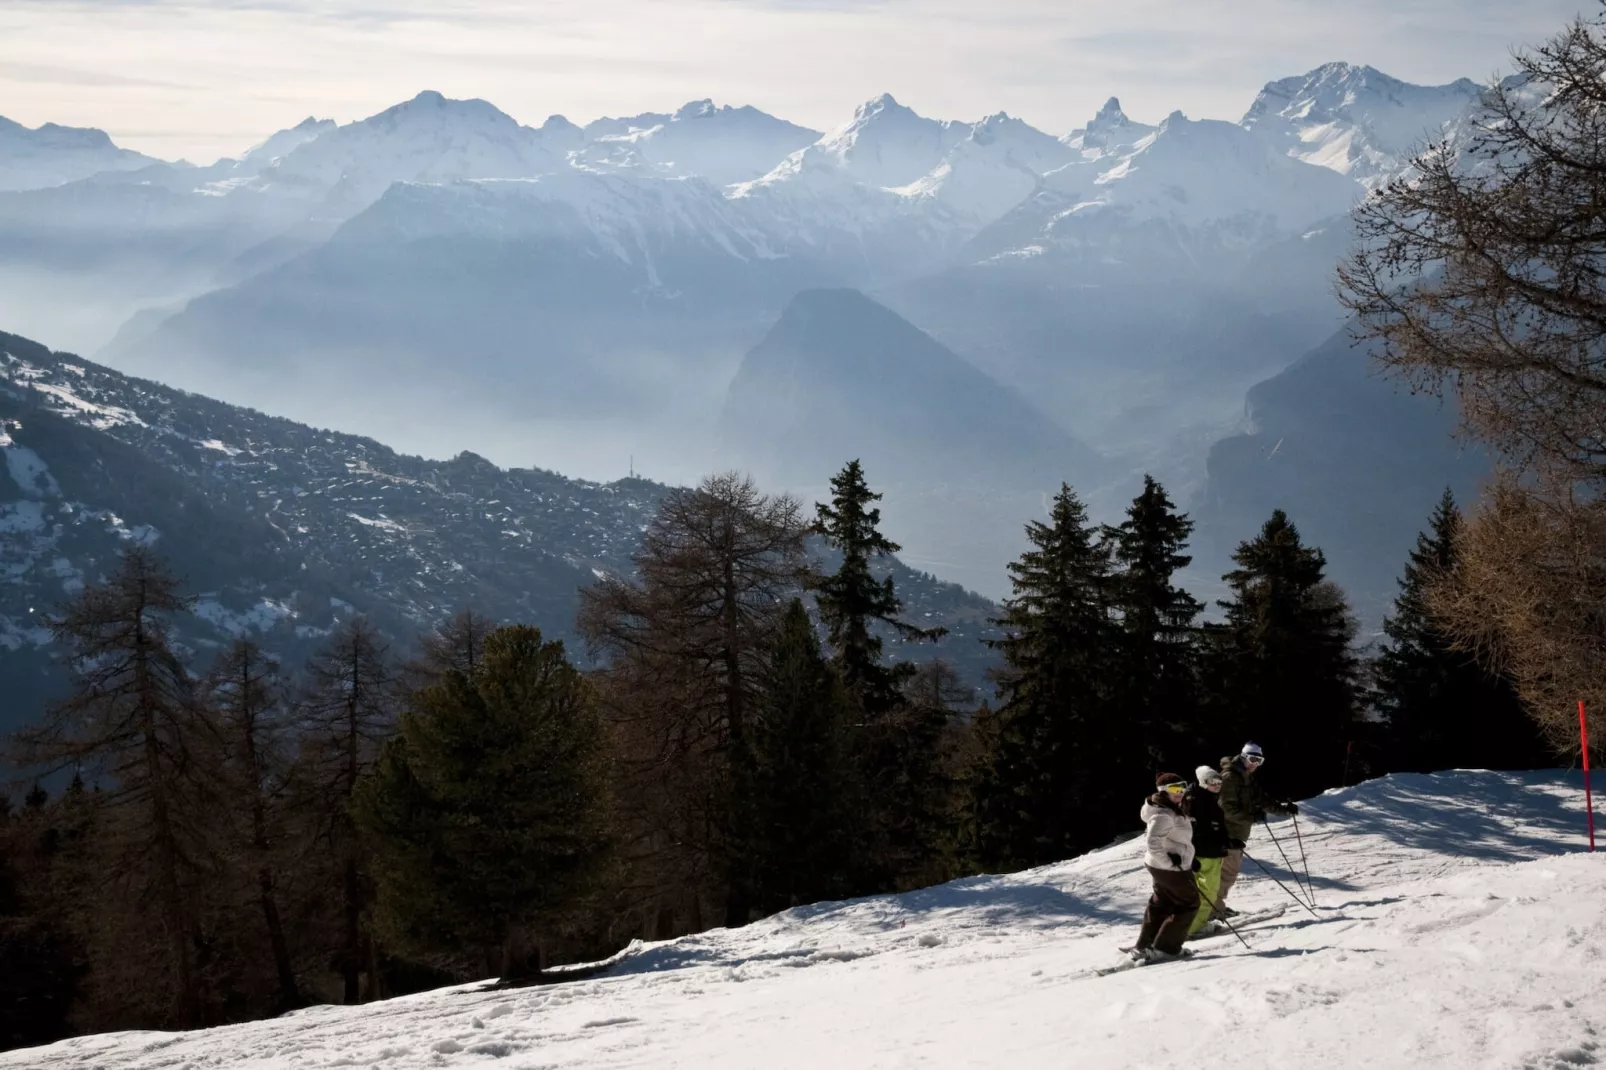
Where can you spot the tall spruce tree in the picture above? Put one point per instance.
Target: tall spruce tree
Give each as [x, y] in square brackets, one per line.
[487, 814]
[891, 750]
[1048, 788]
[1155, 675]
[1444, 709]
[1284, 671]
[852, 601]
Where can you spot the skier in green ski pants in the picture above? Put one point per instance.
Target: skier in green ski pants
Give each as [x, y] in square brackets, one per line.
[1209, 843]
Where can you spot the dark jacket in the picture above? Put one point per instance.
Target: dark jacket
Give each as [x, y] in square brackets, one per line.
[1243, 801]
[1209, 824]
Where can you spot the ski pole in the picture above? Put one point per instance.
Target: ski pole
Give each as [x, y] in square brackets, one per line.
[1287, 862]
[1310, 889]
[1214, 909]
[1281, 885]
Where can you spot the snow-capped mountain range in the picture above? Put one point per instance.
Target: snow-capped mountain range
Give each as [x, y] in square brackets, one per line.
[441, 268]
[1354, 121]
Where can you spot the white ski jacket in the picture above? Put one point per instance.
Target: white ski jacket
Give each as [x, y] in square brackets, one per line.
[1169, 833]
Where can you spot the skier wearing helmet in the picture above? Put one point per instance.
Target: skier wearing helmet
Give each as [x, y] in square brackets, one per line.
[1243, 802]
[1210, 847]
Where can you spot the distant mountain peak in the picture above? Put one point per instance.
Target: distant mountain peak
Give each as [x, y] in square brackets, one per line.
[1354, 119]
[434, 106]
[840, 372]
[1107, 131]
[53, 155]
[1111, 114]
[695, 109]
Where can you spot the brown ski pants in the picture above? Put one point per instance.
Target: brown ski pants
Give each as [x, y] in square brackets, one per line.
[1171, 908]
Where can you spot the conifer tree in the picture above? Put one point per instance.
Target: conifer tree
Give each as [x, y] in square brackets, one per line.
[1155, 671]
[852, 601]
[1284, 672]
[688, 638]
[890, 752]
[927, 846]
[247, 700]
[801, 795]
[132, 715]
[1444, 709]
[488, 812]
[458, 644]
[1046, 790]
[346, 715]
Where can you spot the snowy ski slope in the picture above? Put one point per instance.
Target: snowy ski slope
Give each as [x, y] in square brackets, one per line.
[1460, 925]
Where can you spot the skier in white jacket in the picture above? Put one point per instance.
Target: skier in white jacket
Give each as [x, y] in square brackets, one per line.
[1171, 863]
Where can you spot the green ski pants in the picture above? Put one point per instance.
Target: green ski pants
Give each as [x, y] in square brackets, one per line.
[1208, 881]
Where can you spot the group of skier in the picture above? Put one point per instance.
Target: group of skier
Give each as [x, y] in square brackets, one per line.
[1195, 846]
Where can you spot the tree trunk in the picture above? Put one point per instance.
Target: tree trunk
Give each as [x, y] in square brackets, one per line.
[171, 890]
[375, 988]
[289, 991]
[351, 958]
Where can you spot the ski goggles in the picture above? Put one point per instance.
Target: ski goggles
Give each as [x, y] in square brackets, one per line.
[1175, 789]
[1253, 759]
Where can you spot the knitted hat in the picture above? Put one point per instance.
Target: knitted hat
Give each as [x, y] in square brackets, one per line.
[1253, 748]
[1167, 778]
[1206, 775]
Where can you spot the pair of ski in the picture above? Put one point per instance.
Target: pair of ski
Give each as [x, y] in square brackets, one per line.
[1239, 921]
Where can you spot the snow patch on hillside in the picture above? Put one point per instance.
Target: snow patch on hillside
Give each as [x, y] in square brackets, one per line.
[258, 618]
[28, 471]
[1456, 926]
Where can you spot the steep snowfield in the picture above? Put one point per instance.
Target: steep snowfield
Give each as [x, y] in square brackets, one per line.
[1357, 121]
[1194, 172]
[284, 142]
[426, 139]
[1458, 927]
[722, 144]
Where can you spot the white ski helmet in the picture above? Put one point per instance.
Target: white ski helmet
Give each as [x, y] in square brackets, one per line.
[1207, 775]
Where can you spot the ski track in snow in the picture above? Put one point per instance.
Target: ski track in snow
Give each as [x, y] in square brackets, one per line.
[1459, 926]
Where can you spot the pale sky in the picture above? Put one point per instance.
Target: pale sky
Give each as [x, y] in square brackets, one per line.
[204, 78]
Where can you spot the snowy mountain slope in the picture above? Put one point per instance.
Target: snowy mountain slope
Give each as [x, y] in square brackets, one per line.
[53, 155]
[720, 143]
[426, 139]
[1355, 120]
[884, 145]
[1457, 926]
[283, 529]
[1195, 173]
[992, 170]
[283, 142]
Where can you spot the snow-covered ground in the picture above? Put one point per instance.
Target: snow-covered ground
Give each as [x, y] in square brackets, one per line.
[1459, 926]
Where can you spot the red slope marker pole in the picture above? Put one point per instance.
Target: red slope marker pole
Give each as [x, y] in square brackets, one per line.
[1589, 801]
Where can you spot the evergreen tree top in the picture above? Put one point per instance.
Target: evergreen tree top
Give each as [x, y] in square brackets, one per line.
[1278, 556]
[850, 521]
